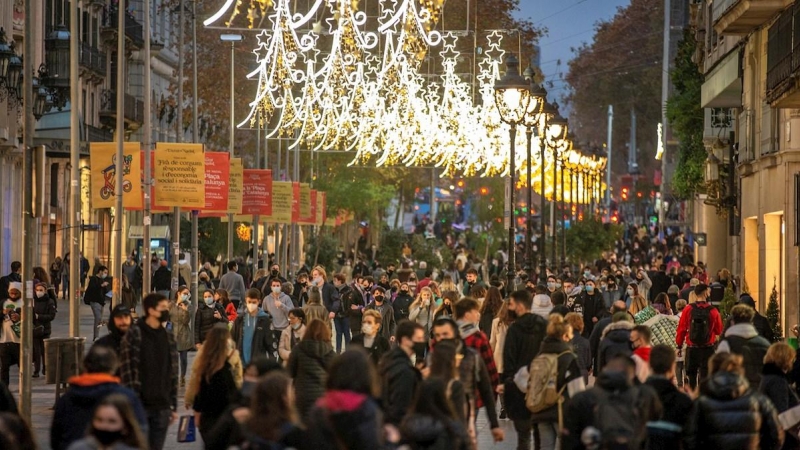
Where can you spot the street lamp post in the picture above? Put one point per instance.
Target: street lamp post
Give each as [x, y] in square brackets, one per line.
[512, 97]
[532, 116]
[233, 39]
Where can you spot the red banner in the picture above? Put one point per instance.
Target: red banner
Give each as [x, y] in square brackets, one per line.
[295, 202]
[217, 175]
[257, 192]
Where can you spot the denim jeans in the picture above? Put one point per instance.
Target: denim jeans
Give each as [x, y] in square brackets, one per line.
[548, 436]
[97, 311]
[184, 360]
[342, 330]
[157, 427]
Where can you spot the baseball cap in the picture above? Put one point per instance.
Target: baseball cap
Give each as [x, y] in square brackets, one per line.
[120, 310]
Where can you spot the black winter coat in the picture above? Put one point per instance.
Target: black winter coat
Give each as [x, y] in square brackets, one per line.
[308, 366]
[262, 337]
[662, 433]
[379, 347]
[729, 415]
[424, 432]
[45, 312]
[775, 386]
[616, 340]
[399, 380]
[402, 305]
[523, 340]
[594, 307]
[204, 320]
[345, 420]
[95, 293]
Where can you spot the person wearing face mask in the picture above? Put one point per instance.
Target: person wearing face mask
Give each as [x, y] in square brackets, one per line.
[275, 272]
[330, 297]
[113, 427]
[149, 366]
[180, 317]
[468, 316]
[593, 307]
[421, 310]
[399, 370]
[209, 313]
[292, 334]
[44, 311]
[446, 308]
[9, 333]
[251, 330]
[370, 339]
[386, 311]
[277, 305]
[95, 296]
[118, 325]
[552, 285]
[612, 292]
[644, 283]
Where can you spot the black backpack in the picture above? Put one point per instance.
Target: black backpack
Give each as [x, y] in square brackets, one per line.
[700, 326]
[619, 418]
[345, 300]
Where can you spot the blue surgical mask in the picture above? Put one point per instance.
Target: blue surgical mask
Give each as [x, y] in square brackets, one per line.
[590, 289]
[209, 301]
[186, 297]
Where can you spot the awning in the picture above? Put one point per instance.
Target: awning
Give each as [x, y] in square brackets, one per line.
[156, 232]
[723, 86]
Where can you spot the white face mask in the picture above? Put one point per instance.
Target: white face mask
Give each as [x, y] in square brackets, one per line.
[276, 289]
[40, 294]
[368, 328]
[252, 307]
[209, 301]
[630, 292]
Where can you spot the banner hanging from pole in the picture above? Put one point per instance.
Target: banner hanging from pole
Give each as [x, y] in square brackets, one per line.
[217, 175]
[257, 192]
[180, 171]
[295, 202]
[102, 159]
[282, 201]
[235, 186]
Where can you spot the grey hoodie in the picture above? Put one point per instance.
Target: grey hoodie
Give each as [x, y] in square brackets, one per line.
[280, 314]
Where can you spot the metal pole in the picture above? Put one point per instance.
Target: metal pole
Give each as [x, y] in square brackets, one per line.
[542, 244]
[256, 219]
[563, 214]
[230, 150]
[295, 253]
[664, 124]
[529, 220]
[147, 143]
[196, 139]
[75, 175]
[26, 330]
[278, 253]
[176, 212]
[432, 198]
[608, 163]
[116, 262]
[553, 221]
[510, 188]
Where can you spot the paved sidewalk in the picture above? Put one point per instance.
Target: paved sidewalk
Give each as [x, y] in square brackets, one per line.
[43, 395]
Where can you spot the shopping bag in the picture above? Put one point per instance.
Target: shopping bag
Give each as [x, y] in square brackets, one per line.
[186, 429]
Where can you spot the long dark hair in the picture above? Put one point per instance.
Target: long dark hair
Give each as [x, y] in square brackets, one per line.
[443, 360]
[492, 302]
[353, 371]
[224, 298]
[431, 401]
[40, 274]
[134, 437]
[270, 407]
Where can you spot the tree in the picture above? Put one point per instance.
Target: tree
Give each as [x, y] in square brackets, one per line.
[391, 245]
[728, 301]
[774, 313]
[686, 119]
[433, 252]
[587, 239]
[322, 250]
[622, 67]
[212, 239]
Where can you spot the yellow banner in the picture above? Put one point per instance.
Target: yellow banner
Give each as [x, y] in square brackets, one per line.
[305, 199]
[319, 219]
[235, 186]
[103, 162]
[281, 202]
[180, 175]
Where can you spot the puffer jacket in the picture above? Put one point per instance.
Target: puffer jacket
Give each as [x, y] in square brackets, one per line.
[615, 340]
[45, 310]
[664, 329]
[308, 366]
[729, 415]
[424, 432]
[542, 305]
[204, 320]
[345, 419]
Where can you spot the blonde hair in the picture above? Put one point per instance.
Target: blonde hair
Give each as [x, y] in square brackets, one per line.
[692, 297]
[375, 314]
[725, 362]
[781, 354]
[557, 327]
[418, 300]
[321, 271]
[638, 303]
[576, 321]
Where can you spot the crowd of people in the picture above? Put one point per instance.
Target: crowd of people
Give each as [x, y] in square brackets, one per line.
[628, 352]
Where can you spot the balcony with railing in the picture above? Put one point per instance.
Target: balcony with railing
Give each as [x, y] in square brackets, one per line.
[92, 61]
[783, 60]
[743, 16]
[95, 134]
[134, 31]
[133, 110]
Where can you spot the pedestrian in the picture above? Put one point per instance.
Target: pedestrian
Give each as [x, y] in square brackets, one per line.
[613, 414]
[347, 415]
[314, 309]
[422, 309]
[73, 410]
[560, 364]
[40, 276]
[446, 308]
[56, 267]
[386, 311]
[346, 313]
[13, 277]
[640, 337]
[759, 322]
[64, 275]
[403, 301]
[15, 435]
[208, 314]
[271, 421]
[664, 327]
[293, 334]
[471, 281]
[222, 297]
[252, 332]
[636, 301]
[497, 341]
[667, 432]
[212, 386]
[180, 317]
[233, 284]
[490, 307]
[467, 318]
[399, 370]
[44, 312]
[184, 267]
[149, 366]
[308, 365]
[444, 362]
[97, 292]
[330, 297]
[728, 414]
[614, 341]
[699, 328]
[371, 339]
[580, 345]
[9, 334]
[113, 427]
[119, 323]
[162, 279]
[742, 338]
[432, 422]
[542, 304]
[277, 305]
[523, 341]
[775, 384]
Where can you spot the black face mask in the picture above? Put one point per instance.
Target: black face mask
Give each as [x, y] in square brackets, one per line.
[419, 350]
[378, 299]
[274, 273]
[164, 316]
[106, 438]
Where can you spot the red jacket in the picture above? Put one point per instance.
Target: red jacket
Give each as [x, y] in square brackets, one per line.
[686, 318]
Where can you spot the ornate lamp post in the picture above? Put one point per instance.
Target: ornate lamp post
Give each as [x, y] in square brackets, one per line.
[555, 137]
[55, 73]
[511, 97]
[532, 117]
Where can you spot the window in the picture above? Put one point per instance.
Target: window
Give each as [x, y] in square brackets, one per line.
[54, 185]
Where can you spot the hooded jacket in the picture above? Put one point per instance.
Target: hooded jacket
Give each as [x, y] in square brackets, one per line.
[399, 380]
[204, 320]
[775, 386]
[615, 340]
[523, 341]
[308, 366]
[261, 343]
[729, 415]
[345, 419]
[180, 319]
[667, 432]
[542, 305]
[743, 339]
[45, 310]
[74, 409]
[424, 432]
[113, 339]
